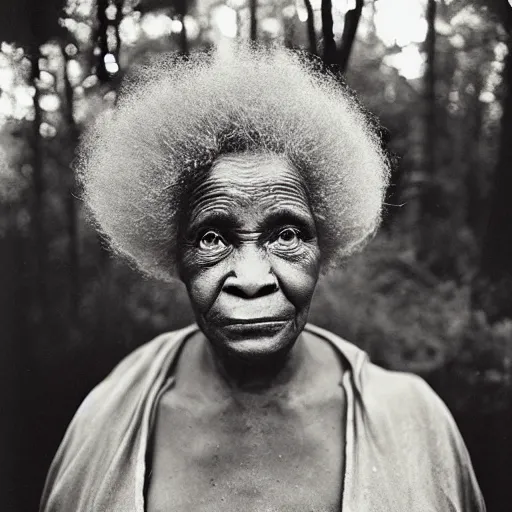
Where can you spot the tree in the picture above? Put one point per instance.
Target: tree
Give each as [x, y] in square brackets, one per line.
[71, 201]
[349, 34]
[181, 10]
[329, 56]
[107, 51]
[253, 10]
[311, 27]
[30, 23]
[430, 91]
[333, 55]
[497, 248]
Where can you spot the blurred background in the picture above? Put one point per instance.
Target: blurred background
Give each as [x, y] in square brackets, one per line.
[432, 294]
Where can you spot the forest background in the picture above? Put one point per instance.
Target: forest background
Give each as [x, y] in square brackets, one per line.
[432, 294]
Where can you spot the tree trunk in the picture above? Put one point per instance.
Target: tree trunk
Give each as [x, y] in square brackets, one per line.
[71, 205]
[38, 224]
[13, 319]
[349, 34]
[496, 265]
[38, 318]
[474, 170]
[430, 92]
[101, 71]
[253, 7]
[328, 34]
[181, 9]
[311, 27]
[424, 224]
[117, 21]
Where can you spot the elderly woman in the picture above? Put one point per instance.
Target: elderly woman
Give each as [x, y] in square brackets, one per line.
[246, 177]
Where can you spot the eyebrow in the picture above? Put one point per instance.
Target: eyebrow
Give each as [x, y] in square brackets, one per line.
[215, 219]
[222, 219]
[289, 216]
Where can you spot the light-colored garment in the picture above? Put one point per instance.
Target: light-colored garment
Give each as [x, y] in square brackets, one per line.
[403, 449]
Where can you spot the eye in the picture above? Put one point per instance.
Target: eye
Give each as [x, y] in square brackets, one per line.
[211, 241]
[288, 238]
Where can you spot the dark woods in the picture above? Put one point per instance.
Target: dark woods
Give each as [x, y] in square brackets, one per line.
[433, 292]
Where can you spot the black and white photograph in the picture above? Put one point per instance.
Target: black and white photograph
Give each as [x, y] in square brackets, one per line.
[256, 255]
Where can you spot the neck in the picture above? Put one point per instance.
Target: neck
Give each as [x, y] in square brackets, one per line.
[271, 372]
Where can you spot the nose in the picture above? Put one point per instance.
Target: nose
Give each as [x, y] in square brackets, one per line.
[252, 275]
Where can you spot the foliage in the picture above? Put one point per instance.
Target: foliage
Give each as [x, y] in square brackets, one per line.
[409, 320]
[408, 300]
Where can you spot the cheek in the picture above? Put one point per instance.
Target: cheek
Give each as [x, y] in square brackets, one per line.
[203, 288]
[298, 279]
[203, 283]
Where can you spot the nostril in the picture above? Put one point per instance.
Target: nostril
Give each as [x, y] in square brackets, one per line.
[266, 289]
[235, 290]
[252, 292]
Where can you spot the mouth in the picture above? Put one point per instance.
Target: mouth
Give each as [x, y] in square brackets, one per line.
[226, 322]
[262, 326]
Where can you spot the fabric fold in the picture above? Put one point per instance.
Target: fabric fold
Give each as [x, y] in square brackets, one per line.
[403, 449]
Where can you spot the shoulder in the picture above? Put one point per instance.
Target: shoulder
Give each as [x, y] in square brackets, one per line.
[409, 402]
[401, 415]
[399, 398]
[131, 373]
[381, 388]
[401, 389]
[123, 393]
[410, 421]
[108, 424]
[415, 416]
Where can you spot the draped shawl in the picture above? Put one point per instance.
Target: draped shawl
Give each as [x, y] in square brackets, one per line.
[403, 450]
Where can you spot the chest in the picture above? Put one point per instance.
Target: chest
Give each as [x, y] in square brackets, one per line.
[256, 457]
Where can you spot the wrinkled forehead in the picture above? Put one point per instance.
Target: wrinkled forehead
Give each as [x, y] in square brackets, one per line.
[250, 177]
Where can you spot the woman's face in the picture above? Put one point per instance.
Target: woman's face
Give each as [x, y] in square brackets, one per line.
[250, 257]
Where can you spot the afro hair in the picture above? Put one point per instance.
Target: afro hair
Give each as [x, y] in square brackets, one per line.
[174, 118]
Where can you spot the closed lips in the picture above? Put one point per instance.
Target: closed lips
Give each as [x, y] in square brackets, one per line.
[234, 321]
